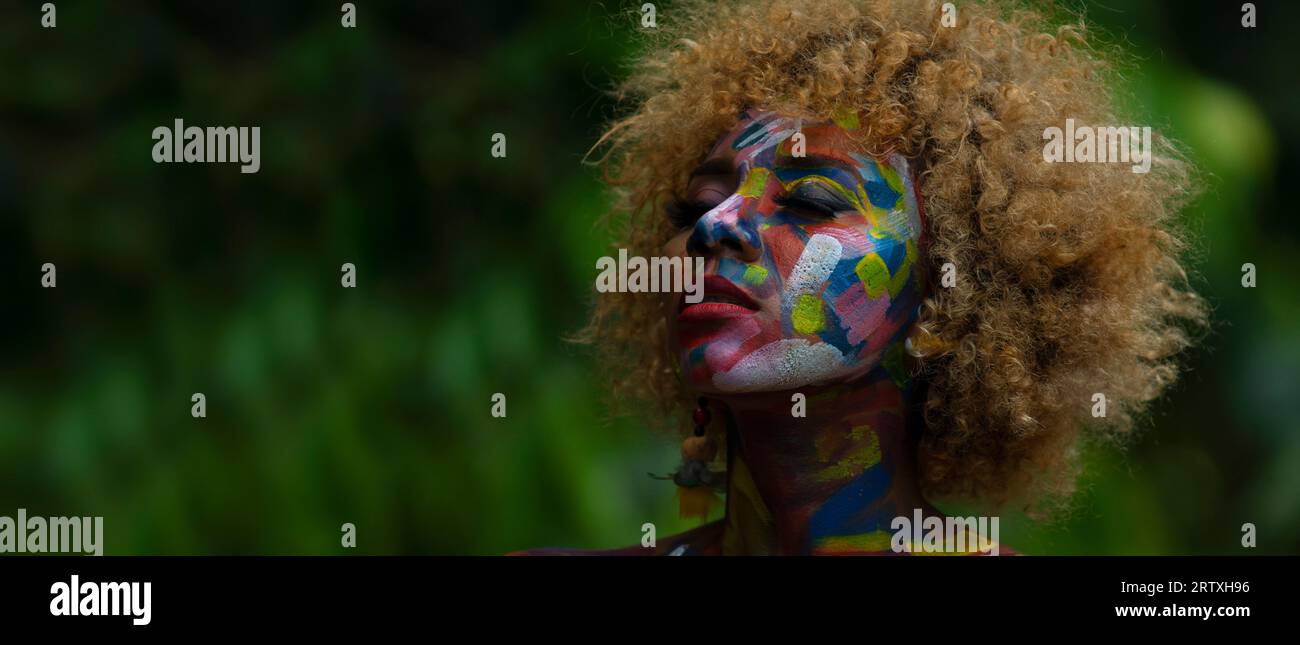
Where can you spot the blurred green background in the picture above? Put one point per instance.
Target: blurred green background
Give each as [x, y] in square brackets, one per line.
[371, 405]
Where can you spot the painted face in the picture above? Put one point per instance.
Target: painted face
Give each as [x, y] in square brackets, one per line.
[811, 274]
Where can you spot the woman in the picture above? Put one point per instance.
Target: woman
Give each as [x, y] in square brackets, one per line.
[905, 297]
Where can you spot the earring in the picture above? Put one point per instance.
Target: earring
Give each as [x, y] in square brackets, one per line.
[696, 494]
[920, 343]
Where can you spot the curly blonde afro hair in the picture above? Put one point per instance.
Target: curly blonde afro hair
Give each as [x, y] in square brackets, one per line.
[1069, 278]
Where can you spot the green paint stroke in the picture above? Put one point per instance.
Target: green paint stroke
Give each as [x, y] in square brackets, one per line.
[874, 273]
[893, 363]
[899, 279]
[755, 183]
[755, 274]
[846, 117]
[807, 315]
[864, 454]
[891, 177]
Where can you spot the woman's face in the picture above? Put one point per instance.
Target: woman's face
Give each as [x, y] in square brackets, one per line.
[811, 273]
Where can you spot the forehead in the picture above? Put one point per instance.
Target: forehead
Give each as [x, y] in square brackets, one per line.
[759, 138]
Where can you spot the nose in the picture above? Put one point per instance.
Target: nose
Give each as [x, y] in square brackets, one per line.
[727, 230]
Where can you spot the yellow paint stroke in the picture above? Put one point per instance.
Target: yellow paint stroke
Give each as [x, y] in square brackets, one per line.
[835, 186]
[891, 177]
[827, 444]
[873, 541]
[755, 274]
[864, 454]
[972, 545]
[846, 117]
[899, 278]
[873, 273]
[884, 224]
[807, 314]
[755, 182]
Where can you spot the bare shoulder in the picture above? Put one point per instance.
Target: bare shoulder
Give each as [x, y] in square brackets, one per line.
[705, 539]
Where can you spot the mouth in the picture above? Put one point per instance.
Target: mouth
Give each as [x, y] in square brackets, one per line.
[722, 299]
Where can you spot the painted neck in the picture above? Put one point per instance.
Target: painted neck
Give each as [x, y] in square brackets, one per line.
[828, 482]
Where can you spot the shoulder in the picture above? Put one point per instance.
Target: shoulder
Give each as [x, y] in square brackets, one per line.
[703, 540]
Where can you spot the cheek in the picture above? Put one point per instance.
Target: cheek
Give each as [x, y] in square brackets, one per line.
[806, 284]
[785, 246]
[858, 313]
[881, 295]
[867, 288]
[822, 297]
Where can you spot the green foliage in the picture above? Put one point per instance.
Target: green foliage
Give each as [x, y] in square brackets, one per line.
[371, 405]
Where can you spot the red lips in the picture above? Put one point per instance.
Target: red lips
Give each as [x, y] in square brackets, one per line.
[722, 300]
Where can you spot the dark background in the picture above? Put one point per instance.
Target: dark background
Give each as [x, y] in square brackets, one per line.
[371, 405]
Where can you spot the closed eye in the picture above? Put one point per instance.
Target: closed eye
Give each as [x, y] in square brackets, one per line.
[814, 198]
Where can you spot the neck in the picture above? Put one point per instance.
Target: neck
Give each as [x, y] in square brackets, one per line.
[828, 482]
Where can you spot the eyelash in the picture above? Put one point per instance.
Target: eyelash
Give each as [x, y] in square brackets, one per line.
[804, 204]
[821, 207]
[683, 213]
